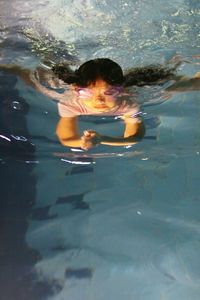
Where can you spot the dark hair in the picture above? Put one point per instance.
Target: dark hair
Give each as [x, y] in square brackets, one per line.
[90, 71]
[112, 73]
[148, 75]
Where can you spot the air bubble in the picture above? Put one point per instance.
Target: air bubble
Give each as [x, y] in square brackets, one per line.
[16, 105]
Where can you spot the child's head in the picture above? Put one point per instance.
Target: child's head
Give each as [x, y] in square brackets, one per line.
[91, 71]
[97, 82]
[101, 68]
[109, 71]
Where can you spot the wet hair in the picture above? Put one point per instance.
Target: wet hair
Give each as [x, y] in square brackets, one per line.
[90, 71]
[148, 75]
[111, 72]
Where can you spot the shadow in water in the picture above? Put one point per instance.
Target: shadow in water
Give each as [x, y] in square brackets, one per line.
[18, 192]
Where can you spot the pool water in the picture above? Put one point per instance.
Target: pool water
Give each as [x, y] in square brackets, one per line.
[113, 222]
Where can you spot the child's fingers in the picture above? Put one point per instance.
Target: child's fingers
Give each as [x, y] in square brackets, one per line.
[89, 132]
[86, 133]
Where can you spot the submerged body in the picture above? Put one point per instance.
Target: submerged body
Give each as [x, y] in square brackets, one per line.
[97, 99]
[98, 87]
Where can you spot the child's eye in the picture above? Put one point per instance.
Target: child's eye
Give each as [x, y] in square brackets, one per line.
[84, 92]
[113, 91]
[110, 92]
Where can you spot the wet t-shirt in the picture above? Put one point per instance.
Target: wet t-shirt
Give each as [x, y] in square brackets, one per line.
[74, 106]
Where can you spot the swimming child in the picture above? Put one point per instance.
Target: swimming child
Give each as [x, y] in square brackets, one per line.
[99, 87]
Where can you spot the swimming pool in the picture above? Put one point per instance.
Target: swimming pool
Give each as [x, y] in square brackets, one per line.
[108, 223]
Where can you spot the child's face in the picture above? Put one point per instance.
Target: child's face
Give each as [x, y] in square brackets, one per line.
[100, 95]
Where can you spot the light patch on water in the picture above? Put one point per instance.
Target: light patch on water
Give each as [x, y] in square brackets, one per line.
[91, 28]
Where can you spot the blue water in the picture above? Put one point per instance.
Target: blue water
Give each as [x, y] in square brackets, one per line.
[110, 223]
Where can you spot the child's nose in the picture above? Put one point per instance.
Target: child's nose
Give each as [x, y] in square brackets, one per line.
[100, 97]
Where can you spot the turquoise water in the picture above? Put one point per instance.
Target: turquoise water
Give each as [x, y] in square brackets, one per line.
[110, 223]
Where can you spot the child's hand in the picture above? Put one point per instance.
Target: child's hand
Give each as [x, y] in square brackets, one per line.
[90, 139]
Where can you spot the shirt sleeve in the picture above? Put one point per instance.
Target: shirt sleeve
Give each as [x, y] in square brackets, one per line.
[66, 111]
[133, 113]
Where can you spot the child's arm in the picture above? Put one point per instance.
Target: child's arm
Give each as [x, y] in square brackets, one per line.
[134, 132]
[68, 132]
